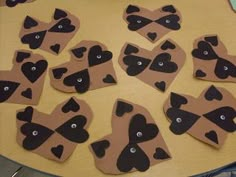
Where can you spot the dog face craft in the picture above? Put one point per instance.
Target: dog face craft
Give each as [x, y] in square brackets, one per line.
[135, 143]
[13, 3]
[157, 68]
[208, 118]
[54, 136]
[23, 84]
[90, 68]
[152, 25]
[51, 37]
[211, 60]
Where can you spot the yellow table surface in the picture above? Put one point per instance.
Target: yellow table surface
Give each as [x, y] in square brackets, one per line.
[101, 20]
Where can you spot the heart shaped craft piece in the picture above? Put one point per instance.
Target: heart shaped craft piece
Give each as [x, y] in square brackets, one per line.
[135, 143]
[211, 60]
[23, 84]
[157, 68]
[51, 37]
[152, 25]
[56, 135]
[13, 3]
[208, 118]
[90, 68]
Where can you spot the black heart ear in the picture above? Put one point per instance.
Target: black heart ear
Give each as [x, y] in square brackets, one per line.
[130, 49]
[20, 56]
[78, 52]
[169, 8]
[212, 39]
[71, 105]
[59, 14]
[58, 72]
[212, 93]
[122, 108]
[167, 45]
[131, 9]
[99, 148]
[177, 100]
[26, 115]
[29, 22]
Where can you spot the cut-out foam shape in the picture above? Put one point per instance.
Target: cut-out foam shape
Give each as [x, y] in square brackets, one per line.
[152, 25]
[136, 142]
[208, 118]
[90, 68]
[56, 135]
[51, 37]
[157, 68]
[13, 3]
[211, 60]
[23, 84]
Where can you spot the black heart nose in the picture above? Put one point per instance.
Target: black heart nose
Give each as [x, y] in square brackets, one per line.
[152, 35]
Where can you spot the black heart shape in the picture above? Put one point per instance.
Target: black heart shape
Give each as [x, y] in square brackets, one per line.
[136, 22]
[181, 121]
[109, 79]
[73, 129]
[11, 3]
[224, 69]
[29, 22]
[223, 117]
[35, 135]
[132, 156]
[177, 100]
[78, 52]
[170, 22]
[212, 93]
[161, 85]
[59, 14]
[26, 115]
[55, 48]
[33, 71]
[63, 26]
[204, 51]
[71, 105]
[99, 148]
[160, 154]
[140, 130]
[58, 72]
[27, 93]
[131, 9]
[7, 88]
[169, 8]
[167, 45]
[97, 56]
[20, 56]
[212, 39]
[79, 80]
[152, 36]
[130, 49]
[200, 73]
[212, 135]
[34, 39]
[136, 64]
[58, 151]
[163, 63]
[123, 108]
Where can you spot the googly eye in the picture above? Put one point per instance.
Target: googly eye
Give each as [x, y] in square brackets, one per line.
[33, 68]
[139, 21]
[139, 134]
[222, 117]
[73, 126]
[60, 26]
[132, 150]
[226, 68]
[160, 63]
[6, 89]
[167, 21]
[99, 56]
[79, 80]
[35, 133]
[178, 120]
[37, 37]
[205, 52]
[139, 63]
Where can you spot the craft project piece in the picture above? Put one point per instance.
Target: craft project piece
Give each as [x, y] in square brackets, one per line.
[13, 3]
[23, 84]
[152, 25]
[157, 68]
[51, 37]
[90, 68]
[208, 118]
[233, 4]
[56, 135]
[211, 60]
[135, 143]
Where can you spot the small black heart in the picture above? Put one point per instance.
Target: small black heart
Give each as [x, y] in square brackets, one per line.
[177, 100]
[58, 151]
[29, 22]
[71, 105]
[78, 52]
[169, 8]
[55, 48]
[167, 45]
[109, 79]
[160, 154]
[212, 135]
[200, 73]
[59, 14]
[131, 9]
[152, 36]
[212, 93]
[58, 72]
[123, 108]
[100, 147]
[27, 93]
[212, 39]
[21, 56]
[130, 49]
[161, 85]
[26, 115]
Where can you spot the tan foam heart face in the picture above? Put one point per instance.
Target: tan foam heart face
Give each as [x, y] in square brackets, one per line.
[51, 37]
[152, 25]
[56, 135]
[23, 84]
[135, 143]
[90, 68]
[211, 60]
[13, 3]
[157, 68]
[208, 118]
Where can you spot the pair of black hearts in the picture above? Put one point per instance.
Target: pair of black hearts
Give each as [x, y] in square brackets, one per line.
[11, 3]
[168, 8]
